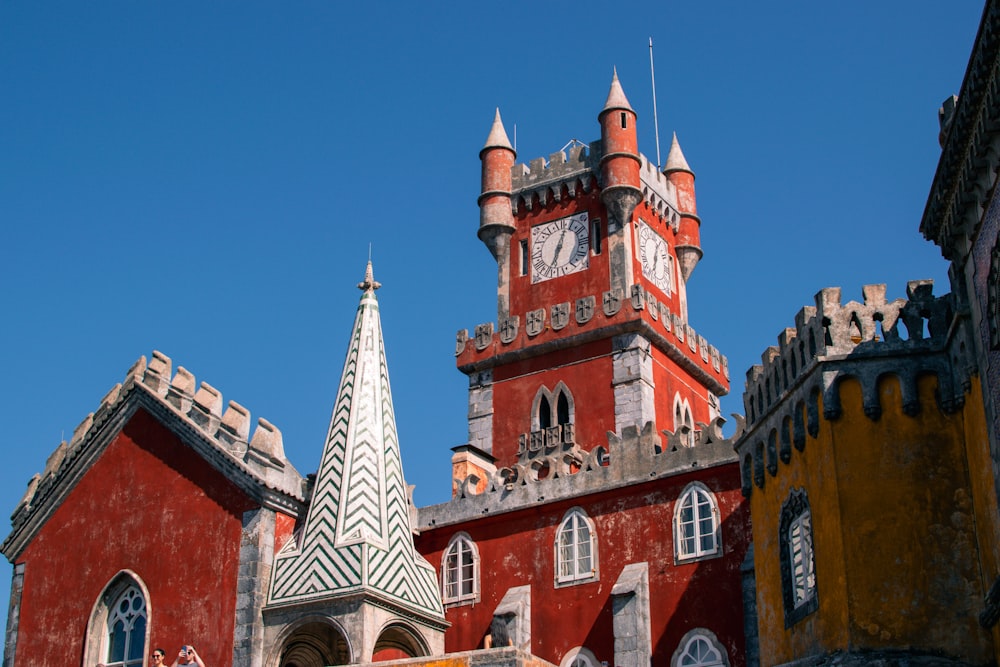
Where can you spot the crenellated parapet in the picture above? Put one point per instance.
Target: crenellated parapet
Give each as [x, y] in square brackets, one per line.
[798, 381]
[831, 331]
[576, 171]
[551, 466]
[195, 413]
[590, 318]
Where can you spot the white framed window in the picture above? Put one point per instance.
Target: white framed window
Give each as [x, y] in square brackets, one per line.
[579, 657]
[576, 549]
[700, 648]
[460, 571]
[117, 633]
[801, 554]
[798, 558]
[696, 523]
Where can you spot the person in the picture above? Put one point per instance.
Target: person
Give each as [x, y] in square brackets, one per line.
[189, 656]
[159, 655]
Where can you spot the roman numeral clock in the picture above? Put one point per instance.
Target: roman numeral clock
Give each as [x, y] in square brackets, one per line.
[560, 247]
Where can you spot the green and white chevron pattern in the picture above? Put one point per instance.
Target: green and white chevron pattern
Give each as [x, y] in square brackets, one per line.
[357, 534]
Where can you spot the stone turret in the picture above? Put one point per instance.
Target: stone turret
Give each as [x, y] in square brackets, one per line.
[680, 175]
[496, 219]
[620, 163]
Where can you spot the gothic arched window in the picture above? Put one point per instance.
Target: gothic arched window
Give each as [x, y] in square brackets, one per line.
[576, 549]
[552, 408]
[696, 523]
[682, 417]
[798, 560]
[460, 569]
[117, 633]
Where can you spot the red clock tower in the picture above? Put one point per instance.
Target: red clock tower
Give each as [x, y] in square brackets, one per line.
[596, 514]
[594, 251]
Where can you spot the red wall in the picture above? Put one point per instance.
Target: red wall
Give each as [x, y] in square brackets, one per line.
[151, 505]
[633, 525]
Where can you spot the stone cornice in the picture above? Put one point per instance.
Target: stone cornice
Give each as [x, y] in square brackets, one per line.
[966, 171]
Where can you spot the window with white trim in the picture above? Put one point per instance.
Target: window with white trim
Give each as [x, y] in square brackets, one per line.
[696, 523]
[576, 549]
[579, 657]
[460, 571]
[126, 630]
[700, 649]
[798, 559]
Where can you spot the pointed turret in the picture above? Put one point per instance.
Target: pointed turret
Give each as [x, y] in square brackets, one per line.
[355, 559]
[680, 175]
[620, 163]
[496, 218]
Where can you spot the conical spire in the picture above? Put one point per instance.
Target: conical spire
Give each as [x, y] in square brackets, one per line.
[616, 96]
[675, 158]
[498, 135]
[357, 534]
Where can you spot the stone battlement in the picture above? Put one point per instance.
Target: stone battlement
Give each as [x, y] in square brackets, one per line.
[542, 181]
[175, 399]
[831, 330]
[553, 467]
[590, 316]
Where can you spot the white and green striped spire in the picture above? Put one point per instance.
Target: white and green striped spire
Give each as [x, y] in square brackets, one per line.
[357, 536]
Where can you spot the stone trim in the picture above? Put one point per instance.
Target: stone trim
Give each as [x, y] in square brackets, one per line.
[256, 560]
[13, 615]
[630, 617]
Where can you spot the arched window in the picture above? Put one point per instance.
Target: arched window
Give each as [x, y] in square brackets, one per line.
[579, 657]
[552, 408]
[117, 632]
[700, 648]
[460, 568]
[576, 549]
[696, 523]
[798, 562]
[127, 630]
[682, 417]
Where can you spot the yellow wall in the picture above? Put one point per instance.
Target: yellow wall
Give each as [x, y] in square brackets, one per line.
[894, 514]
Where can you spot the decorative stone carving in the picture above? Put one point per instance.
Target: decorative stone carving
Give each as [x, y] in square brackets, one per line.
[535, 322]
[560, 315]
[585, 309]
[484, 335]
[612, 302]
[461, 338]
[638, 297]
[508, 329]
[654, 306]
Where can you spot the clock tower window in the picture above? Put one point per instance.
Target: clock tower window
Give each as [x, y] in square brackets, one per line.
[595, 236]
[552, 408]
[525, 260]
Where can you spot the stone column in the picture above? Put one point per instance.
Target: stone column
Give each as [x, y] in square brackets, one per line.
[630, 613]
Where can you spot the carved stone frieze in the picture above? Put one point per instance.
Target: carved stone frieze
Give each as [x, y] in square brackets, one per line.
[585, 309]
[535, 322]
[560, 315]
[508, 329]
[484, 335]
[612, 302]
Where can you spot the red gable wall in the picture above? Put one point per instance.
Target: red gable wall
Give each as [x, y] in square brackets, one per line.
[151, 505]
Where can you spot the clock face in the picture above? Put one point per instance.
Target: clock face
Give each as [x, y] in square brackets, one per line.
[560, 247]
[657, 264]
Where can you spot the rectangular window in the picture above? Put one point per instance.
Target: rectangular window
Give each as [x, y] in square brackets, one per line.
[595, 237]
[524, 257]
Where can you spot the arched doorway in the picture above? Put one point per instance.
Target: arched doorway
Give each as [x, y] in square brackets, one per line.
[315, 644]
[398, 642]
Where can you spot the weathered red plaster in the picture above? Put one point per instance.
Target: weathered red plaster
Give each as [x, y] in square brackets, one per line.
[181, 537]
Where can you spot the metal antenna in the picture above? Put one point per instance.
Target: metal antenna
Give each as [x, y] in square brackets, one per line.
[656, 122]
[369, 251]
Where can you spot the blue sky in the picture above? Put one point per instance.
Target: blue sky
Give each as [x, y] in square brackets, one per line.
[205, 179]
